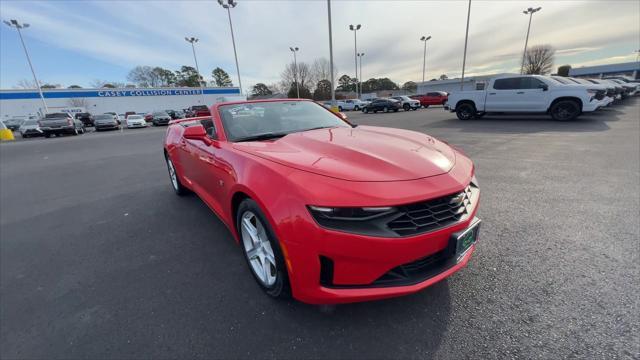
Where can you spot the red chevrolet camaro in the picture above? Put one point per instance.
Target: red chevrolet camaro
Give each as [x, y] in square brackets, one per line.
[327, 211]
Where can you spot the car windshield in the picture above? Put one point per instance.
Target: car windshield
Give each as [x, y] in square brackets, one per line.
[103, 117]
[199, 107]
[29, 122]
[56, 116]
[252, 121]
[160, 113]
[134, 117]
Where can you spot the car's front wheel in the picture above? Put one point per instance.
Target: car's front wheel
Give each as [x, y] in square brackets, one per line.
[365, 110]
[262, 250]
[175, 181]
[565, 110]
[356, 108]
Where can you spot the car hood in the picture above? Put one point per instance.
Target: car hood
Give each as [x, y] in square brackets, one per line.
[363, 153]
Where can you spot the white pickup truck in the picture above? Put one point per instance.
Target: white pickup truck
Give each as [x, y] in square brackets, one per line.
[525, 94]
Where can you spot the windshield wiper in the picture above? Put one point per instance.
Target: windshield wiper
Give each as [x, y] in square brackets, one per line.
[264, 136]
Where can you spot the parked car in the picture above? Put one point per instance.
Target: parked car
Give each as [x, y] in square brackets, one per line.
[610, 89]
[601, 90]
[13, 123]
[632, 88]
[86, 118]
[116, 116]
[136, 121]
[126, 115]
[148, 117]
[160, 118]
[106, 122]
[407, 103]
[524, 94]
[431, 98]
[59, 124]
[382, 104]
[30, 128]
[358, 245]
[172, 113]
[198, 110]
[180, 114]
[619, 90]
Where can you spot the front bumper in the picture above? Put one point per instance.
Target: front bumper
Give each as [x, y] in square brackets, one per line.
[137, 125]
[359, 262]
[107, 126]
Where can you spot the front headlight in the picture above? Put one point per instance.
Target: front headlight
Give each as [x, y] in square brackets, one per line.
[371, 221]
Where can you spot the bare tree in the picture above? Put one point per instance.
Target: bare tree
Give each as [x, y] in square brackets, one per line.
[303, 75]
[78, 102]
[539, 60]
[106, 84]
[25, 84]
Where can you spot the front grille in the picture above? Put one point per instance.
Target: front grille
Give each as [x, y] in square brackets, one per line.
[600, 94]
[418, 270]
[433, 214]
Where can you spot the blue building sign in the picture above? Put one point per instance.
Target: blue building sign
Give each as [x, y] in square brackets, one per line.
[19, 95]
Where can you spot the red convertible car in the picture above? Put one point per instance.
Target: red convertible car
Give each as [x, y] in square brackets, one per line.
[327, 211]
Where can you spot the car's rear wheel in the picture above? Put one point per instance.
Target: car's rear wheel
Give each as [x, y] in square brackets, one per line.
[465, 111]
[262, 249]
[406, 107]
[175, 181]
[385, 109]
[356, 108]
[565, 110]
[365, 110]
[340, 108]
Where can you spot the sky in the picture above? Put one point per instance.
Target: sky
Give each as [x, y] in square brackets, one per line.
[77, 42]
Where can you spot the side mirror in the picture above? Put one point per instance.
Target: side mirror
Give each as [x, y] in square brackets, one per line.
[544, 87]
[196, 132]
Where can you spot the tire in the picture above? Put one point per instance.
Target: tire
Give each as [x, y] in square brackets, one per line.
[175, 179]
[365, 110]
[340, 108]
[395, 110]
[465, 111]
[255, 231]
[47, 135]
[406, 107]
[24, 136]
[356, 108]
[375, 111]
[385, 109]
[565, 110]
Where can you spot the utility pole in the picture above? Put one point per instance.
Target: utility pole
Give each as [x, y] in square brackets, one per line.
[466, 37]
[230, 5]
[295, 69]
[530, 12]
[193, 40]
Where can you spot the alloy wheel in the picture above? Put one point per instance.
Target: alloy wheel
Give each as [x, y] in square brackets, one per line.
[258, 249]
[172, 174]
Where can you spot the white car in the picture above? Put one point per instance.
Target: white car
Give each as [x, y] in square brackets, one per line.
[353, 104]
[407, 102]
[136, 121]
[29, 128]
[602, 90]
[524, 94]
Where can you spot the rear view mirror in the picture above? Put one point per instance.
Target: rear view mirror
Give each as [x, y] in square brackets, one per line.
[544, 87]
[196, 132]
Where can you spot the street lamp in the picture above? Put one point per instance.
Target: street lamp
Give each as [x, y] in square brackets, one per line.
[15, 24]
[355, 49]
[295, 69]
[466, 37]
[193, 40]
[360, 55]
[530, 12]
[333, 77]
[229, 5]
[424, 57]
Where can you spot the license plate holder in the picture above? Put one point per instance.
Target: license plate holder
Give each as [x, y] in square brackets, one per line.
[466, 238]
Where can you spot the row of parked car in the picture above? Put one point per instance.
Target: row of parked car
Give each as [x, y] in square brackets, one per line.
[62, 123]
[393, 103]
[563, 98]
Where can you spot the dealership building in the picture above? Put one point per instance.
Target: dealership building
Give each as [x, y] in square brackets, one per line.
[99, 101]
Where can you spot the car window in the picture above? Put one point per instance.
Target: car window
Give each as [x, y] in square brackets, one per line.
[209, 128]
[507, 83]
[278, 117]
[530, 83]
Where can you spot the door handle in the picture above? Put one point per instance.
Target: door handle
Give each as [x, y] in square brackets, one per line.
[520, 92]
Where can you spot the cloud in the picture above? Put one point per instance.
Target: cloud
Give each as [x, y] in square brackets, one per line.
[129, 33]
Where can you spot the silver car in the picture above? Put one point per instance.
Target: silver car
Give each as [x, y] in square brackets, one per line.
[29, 128]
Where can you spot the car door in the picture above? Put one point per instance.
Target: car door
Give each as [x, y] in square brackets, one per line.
[212, 173]
[502, 95]
[531, 95]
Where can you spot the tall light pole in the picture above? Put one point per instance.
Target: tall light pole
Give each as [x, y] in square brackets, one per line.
[333, 76]
[14, 23]
[355, 49]
[424, 56]
[530, 12]
[360, 55]
[193, 40]
[229, 5]
[295, 69]
[466, 37]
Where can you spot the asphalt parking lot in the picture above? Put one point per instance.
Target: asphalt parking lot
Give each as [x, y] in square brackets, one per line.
[99, 259]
